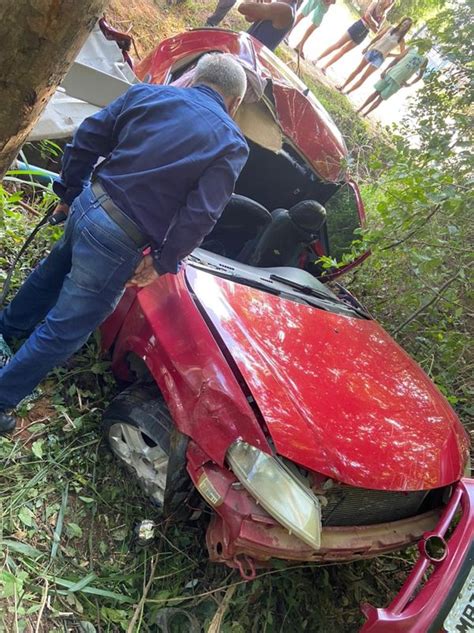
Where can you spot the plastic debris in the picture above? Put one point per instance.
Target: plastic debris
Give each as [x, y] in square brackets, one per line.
[164, 618]
[144, 533]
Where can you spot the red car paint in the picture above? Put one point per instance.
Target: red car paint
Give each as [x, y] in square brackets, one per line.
[165, 329]
[335, 394]
[347, 395]
[426, 612]
[241, 527]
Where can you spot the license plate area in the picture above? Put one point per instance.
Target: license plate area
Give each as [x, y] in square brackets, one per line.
[460, 618]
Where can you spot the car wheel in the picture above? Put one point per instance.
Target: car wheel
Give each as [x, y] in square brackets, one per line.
[137, 425]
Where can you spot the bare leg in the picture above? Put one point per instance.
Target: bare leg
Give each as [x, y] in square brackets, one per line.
[354, 74]
[374, 105]
[299, 17]
[340, 42]
[309, 31]
[345, 49]
[369, 100]
[371, 69]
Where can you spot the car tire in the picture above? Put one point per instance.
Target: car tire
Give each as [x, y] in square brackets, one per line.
[137, 426]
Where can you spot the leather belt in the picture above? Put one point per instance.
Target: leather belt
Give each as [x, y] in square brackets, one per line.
[118, 216]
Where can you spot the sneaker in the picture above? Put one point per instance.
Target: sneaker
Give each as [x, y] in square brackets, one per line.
[7, 423]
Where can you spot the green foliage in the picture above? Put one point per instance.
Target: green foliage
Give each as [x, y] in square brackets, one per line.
[418, 10]
[420, 220]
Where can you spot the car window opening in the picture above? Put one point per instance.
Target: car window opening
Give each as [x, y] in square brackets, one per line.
[274, 219]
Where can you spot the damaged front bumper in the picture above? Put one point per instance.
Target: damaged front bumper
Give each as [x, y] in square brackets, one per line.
[445, 602]
[242, 535]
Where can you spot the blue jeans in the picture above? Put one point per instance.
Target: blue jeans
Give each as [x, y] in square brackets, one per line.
[69, 294]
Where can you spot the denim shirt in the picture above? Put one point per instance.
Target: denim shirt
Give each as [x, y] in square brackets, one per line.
[172, 158]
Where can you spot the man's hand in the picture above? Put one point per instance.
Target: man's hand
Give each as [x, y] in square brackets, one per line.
[145, 273]
[61, 209]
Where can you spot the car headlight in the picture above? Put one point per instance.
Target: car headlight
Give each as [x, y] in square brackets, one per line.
[277, 490]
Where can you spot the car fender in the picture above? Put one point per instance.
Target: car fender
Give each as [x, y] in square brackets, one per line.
[165, 329]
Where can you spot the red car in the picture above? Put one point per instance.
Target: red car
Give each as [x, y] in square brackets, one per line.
[307, 430]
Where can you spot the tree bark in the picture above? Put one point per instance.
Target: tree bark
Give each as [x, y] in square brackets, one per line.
[39, 40]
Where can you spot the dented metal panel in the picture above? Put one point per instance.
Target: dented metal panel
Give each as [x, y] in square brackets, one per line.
[338, 395]
[164, 328]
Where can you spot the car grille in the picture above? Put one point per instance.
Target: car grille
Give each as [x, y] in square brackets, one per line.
[358, 506]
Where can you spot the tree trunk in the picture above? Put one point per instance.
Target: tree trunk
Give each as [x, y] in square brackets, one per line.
[39, 40]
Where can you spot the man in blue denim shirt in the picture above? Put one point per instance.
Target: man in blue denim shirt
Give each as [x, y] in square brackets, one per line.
[172, 158]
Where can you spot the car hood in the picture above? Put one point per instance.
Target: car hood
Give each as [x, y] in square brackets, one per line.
[338, 395]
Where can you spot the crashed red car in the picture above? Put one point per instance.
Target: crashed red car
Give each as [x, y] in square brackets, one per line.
[306, 429]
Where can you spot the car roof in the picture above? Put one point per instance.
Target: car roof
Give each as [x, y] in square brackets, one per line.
[302, 118]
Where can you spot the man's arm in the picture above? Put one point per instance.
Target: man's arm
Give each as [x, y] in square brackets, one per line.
[204, 206]
[380, 34]
[369, 16]
[93, 138]
[279, 13]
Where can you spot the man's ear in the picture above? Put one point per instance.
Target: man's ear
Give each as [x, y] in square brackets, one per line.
[233, 106]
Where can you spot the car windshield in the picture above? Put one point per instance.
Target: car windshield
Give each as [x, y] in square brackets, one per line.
[285, 281]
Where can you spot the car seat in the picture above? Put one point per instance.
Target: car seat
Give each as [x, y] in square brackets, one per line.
[241, 222]
[289, 233]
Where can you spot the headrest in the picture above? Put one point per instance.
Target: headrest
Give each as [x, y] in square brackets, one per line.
[308, 215]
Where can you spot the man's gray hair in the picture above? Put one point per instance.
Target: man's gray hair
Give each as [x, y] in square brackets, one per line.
[223, 71]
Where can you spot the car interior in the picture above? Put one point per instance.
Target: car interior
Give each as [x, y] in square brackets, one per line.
[281, 214]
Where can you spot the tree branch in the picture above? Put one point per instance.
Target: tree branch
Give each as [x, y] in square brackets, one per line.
[428, 303]
[415, 230]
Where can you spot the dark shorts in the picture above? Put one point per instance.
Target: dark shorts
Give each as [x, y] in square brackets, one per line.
[358, 32]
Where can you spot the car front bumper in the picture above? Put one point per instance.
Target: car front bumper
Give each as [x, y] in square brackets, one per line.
[242, 535]
[424, 607]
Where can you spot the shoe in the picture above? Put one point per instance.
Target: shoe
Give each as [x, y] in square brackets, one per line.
[7, 423]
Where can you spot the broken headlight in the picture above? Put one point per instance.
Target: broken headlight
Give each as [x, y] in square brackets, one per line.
[277, 490]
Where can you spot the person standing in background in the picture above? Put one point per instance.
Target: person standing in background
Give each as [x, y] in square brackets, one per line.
[372, 20]
[315, 10]
[271, 21]
[222, 9]
[397, 75]
[376, 53]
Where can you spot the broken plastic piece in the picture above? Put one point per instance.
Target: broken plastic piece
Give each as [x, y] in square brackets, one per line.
[144, 533]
